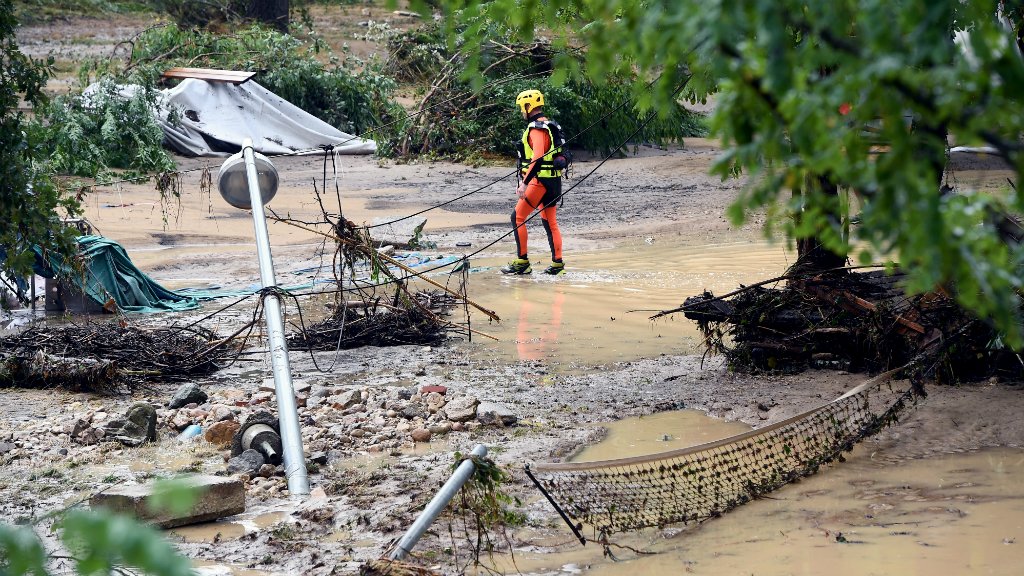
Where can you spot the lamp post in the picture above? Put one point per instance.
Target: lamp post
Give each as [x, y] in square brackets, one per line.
[248, 180]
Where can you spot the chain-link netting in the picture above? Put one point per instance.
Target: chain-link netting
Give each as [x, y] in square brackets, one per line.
[700, 482]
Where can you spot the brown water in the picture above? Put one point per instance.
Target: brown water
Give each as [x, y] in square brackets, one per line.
[599, 310]
[956, 514]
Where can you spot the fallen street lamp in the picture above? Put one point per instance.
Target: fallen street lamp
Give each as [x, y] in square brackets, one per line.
[248, 180]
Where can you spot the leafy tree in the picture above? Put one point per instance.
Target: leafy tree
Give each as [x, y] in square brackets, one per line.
[29, 198]
[800, 84]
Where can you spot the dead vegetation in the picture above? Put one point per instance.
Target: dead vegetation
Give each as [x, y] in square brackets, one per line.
[105, 357]
[852, 321]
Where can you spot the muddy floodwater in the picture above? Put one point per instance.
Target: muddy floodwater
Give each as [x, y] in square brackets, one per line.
[954, 514]
[599, 310]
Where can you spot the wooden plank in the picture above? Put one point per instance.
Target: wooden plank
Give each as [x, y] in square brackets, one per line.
[210, 74]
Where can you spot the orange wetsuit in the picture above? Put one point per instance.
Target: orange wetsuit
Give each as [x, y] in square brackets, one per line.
[541, 194]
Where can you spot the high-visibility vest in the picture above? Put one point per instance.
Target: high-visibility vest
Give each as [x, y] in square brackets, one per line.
[547, 162]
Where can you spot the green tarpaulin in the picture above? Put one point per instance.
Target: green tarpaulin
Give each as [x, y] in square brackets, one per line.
[108, 273]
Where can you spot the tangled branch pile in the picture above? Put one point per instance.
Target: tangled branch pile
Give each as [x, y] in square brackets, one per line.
[365, 314]
[379, 323]
[850, 321]
[104, 357]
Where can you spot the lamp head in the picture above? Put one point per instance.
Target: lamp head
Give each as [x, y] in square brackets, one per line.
[234, 185]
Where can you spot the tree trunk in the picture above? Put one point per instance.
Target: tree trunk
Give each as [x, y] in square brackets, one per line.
[811, 255]
[271, 12]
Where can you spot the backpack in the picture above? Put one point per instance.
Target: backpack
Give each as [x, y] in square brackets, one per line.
[563, 157]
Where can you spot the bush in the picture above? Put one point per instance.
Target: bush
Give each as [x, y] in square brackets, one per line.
[108, 127]
[458, 121]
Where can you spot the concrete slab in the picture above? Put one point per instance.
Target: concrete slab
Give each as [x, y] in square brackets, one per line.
[219, 497]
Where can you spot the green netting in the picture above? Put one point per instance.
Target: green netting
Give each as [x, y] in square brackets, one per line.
[700, 482]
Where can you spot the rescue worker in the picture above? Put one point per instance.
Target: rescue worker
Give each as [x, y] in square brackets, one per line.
[541, 185]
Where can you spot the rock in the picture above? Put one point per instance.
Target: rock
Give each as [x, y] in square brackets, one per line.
[267, 470]
[412, 411]
[433, 388]
[346, 399]
[421, 435]
[260, 398]
[357, 433]
[76, 427]
[221, 433]
[137, 428]
[458, 427]
[220, 413]
[435, 401]
[318, 458]
[189, 393]
[461, 408]
[6, 447]
[248, 462]
[89, 436]
[217, 497]
[181, 420]
[492, 414]
[406, 393]
[440, 429]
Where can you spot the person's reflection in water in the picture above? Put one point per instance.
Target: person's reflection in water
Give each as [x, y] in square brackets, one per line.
[538, 329]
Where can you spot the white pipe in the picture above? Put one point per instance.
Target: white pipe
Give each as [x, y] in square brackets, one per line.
[440, 500]
[288, 413]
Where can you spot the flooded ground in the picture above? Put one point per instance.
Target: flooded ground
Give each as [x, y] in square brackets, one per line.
[956, 514]
[573, 352]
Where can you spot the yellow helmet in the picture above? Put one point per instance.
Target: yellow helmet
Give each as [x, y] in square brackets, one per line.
[531, 98]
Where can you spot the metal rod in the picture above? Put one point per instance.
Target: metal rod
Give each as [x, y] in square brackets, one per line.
[558, 508]
[288, 414]
[440, 500]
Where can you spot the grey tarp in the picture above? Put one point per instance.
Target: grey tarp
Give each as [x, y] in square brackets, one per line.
[214, 113]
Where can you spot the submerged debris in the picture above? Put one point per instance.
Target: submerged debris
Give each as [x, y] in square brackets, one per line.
[104, 357]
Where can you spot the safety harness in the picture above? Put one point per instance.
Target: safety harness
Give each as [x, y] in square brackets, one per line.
[555, 161]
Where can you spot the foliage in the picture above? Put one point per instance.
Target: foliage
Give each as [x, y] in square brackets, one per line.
[29, 11]
[483, 506]
[29, 199]
[354, 97]
[106, 127]
[798, 82]
[465, 114]
[101, 542]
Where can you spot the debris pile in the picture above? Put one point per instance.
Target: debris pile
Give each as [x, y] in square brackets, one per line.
[403, 320]
[853, 321]
[104, 357]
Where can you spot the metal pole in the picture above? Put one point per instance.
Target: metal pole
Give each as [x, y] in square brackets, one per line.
[288, 414]
[441, 499]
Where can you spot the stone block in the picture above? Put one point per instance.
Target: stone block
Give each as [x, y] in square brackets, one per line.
[218, 497]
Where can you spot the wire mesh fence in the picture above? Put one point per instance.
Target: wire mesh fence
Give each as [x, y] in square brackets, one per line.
[694, 484]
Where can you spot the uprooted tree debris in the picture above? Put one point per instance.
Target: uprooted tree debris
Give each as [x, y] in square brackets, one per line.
[382, 311]
[380, 323]
[854, 321]
[105, 357]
